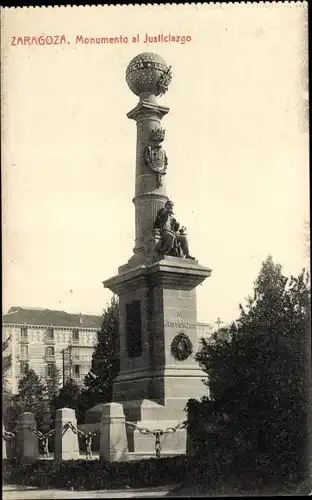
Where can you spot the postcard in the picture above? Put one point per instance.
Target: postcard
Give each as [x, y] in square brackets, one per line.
[155, 156]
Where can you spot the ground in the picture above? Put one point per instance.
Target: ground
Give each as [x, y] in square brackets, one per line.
[23, 493]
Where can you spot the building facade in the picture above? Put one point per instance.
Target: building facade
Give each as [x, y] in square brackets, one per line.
[42, 339]
[204, 330]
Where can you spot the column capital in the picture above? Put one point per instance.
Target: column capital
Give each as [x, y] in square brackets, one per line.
[147, 108]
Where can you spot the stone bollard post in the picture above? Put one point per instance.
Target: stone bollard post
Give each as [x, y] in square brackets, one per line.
[66, 445]
[26, 438]
[113, 437]
[4, 443]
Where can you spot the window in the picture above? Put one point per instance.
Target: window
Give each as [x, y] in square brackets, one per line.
[51, 370]
[76, 370]
[24, 352]
[76, 335]
[50, 333]
[24, 332]
[23, 368]
[75, 353]
[133, 328]
[50, 351]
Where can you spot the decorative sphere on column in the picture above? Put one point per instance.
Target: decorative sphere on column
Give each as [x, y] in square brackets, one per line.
[148, 73]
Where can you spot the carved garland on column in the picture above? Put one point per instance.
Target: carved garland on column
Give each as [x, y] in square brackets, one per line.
[181, 347]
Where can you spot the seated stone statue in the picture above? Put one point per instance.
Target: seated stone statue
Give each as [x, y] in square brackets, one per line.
[173, 240]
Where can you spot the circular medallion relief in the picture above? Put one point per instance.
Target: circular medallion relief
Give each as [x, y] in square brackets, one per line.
[181, 347]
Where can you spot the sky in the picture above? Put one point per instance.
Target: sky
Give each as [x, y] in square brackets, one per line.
[236, 140]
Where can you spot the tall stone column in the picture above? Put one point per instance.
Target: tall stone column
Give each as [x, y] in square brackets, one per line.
[147, 76]
[149, 195]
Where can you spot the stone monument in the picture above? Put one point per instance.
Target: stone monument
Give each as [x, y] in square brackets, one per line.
[157, 286]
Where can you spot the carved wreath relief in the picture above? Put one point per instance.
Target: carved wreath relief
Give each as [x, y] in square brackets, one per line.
[154, 155]
[181, 347]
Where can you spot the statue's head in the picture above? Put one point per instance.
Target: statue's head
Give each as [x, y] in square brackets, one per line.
[169, 206]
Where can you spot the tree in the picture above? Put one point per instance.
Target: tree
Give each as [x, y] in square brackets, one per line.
[6, 358]
[216, 358]
[53, 389]
[32, 396]
[68, 396]
[6, 365]
[258, 370]
[105, 359]
[53, 382]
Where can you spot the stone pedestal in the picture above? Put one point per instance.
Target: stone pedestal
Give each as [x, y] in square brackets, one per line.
[152, 384]
[113, 438]
[66, 440]
[27, 440]
[164, 293]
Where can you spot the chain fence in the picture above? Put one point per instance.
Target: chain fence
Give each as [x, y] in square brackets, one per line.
[44, 438]
[10, 438]
[157, 433]
[7, 436]
[88, 436]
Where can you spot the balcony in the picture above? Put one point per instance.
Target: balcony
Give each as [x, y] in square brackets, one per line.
[24, 334]
[49, 335]
[50, 357]
[49, 339]
[75, 337]
[23, 358]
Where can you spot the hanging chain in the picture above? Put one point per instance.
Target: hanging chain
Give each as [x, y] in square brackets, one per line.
[87, 436]
[44, 438]
[8, 435]
[157, 433]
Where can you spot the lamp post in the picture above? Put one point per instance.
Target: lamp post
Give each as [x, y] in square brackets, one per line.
[63, 365]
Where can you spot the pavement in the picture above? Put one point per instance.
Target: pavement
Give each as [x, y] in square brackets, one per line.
[29, 493]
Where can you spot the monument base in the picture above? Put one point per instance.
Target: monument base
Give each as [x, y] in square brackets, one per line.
[169, 386]
[160, 301]
[158, 372]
